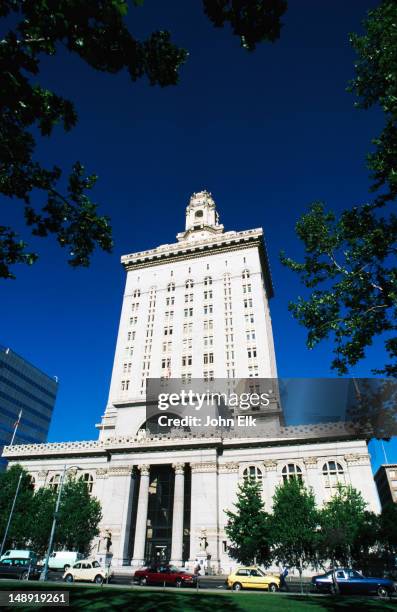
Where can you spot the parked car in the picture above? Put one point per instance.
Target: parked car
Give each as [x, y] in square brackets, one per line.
[63, 559]
[88, 570]
[19, 569]
[350, 581]
[252, 578]
[168, 574]
[19, 554]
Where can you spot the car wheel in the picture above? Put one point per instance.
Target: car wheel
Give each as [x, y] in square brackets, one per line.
[382, 592]
[178, 583]
[237, 586]
[98, 579]
[272, 587]
[143, 581]
[69, 578]
[66, 567]
[24, 576]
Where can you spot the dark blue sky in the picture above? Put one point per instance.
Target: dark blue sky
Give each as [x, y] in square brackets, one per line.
[266, 132]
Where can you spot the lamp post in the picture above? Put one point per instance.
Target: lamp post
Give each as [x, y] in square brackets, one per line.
[44, 573]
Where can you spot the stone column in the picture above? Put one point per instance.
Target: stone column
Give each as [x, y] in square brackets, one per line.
[177, 515]
[204, 512]
[141, 516]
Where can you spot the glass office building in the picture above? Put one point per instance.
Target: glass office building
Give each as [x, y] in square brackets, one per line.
[25, 390]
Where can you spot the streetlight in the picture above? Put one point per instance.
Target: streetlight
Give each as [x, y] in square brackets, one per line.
[44, 573]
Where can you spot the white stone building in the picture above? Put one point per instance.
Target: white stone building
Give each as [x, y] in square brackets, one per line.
[198, 308]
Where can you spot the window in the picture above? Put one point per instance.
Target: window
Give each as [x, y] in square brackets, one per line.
[207, 281]
[291, 471]
[251, 353]
[208, 309]
[136, 293]
[54, 482]
[188, 297]
[208, 325]
[171, 287]
[187, 328]
[198, 214]
[166, 363]
[186, 360]
[242, 572]
[170, 301]
[208, 340]
[125, 385]
[208, 375]
[189, 284]
[246, 273]
[248, 303]
[168, 331]
[188, 312]
[253, 473]
[88, 480]
[208, 295]
[333, 474]
[208, 358]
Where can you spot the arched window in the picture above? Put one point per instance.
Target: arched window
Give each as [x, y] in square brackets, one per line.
[290, 471]
[207, 281]
[253, 473]
[88, 480]
[246, 273]
[136, 293]
[54, 482]
[189, 284]
[333, 473]
[171, 287]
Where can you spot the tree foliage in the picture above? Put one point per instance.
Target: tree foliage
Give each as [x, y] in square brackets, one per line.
[77, 521]
[17, 532]
[342, 526]
[293, 525]
[97, 32]
[349, 264]
[248, 526]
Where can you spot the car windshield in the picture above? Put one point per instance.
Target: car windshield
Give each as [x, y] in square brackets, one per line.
[173, 568]
[95, 564]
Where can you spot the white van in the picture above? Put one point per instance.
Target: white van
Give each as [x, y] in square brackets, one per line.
[19, 554]
[63, 559]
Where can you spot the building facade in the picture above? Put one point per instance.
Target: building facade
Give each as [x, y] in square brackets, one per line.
[194, 309]
[386, 482]
[25, 391]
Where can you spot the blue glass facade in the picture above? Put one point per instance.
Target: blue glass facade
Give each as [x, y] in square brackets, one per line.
[23, 387]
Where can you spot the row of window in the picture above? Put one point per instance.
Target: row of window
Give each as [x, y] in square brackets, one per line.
[333, 473]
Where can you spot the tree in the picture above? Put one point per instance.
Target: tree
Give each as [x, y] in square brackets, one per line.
[97, 32]
[349, 264]
[17, 533]
[294, 526]
[39, 527]
[388, 535]
[341, 522]
[248, 527]
[79, 516]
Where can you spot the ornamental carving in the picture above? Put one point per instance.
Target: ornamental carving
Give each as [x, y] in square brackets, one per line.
[42, 475]
[357, 459]
[179, 468]
[203, 467]
[144, 469]
[228, 468]
[101, 473]
[310, 462]
[270, 465]
[120, 470]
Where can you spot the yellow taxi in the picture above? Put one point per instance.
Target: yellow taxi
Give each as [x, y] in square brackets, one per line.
[252, 578]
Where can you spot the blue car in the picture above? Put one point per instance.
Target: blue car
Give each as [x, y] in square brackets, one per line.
[352, 582]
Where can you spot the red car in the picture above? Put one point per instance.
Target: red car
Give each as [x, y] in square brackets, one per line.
[164, 574]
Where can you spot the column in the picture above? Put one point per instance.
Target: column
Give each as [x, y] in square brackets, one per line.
[141, 517]
[204, 512]
[177, 515]
[270, 483]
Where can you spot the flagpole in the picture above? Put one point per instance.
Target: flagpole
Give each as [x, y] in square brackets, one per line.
[16, 427]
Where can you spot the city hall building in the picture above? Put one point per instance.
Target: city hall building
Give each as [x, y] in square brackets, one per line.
[194, 309]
